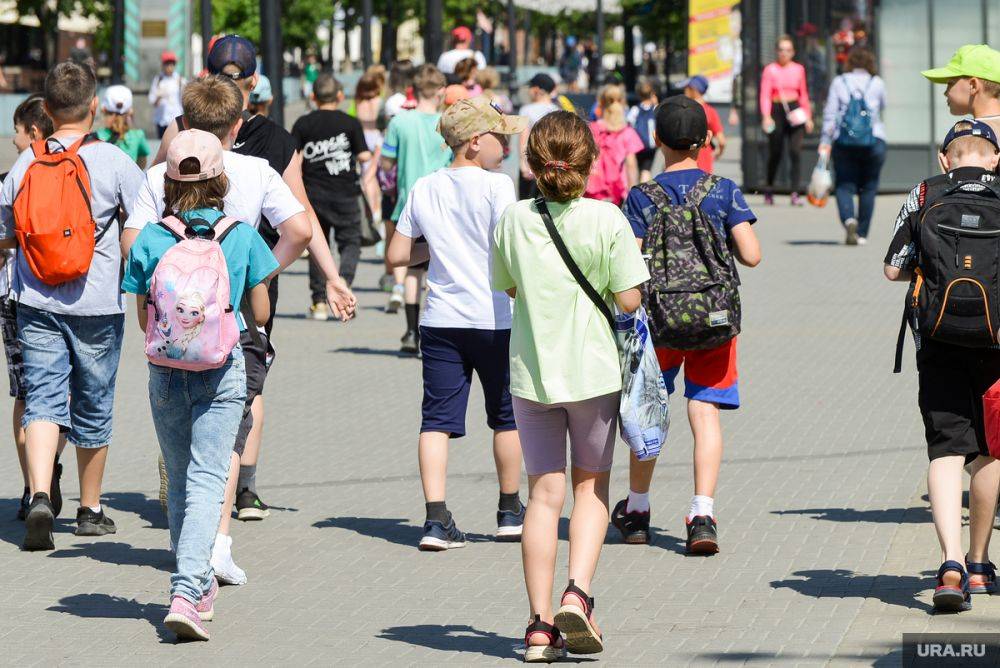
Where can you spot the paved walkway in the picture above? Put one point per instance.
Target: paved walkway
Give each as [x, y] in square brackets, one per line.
[827, 548]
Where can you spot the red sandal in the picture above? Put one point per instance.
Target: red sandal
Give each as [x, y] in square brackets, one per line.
[555, 650]
[574, 621]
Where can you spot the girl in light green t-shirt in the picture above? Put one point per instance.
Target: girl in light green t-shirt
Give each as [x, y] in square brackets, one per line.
[565, 374]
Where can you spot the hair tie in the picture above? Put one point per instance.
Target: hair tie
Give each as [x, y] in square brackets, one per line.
[558, 165]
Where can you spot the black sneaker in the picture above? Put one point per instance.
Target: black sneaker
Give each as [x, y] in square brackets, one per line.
[410, 343]
[22, 508]
[439, 537]
[56, 490]
[633, 526]
[89, 523]
[249, 507]
[703, 535]
[38, 524]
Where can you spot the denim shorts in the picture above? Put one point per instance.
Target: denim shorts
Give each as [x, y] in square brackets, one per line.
[70, 368]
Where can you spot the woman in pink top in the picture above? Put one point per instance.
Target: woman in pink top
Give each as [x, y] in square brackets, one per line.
[785, 114]
[616, 168]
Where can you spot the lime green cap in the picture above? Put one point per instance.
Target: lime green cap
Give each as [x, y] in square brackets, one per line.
[971, 60]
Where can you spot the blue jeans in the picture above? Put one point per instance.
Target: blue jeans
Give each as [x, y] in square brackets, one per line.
[70, 368]
[196, 415]
[856, 173]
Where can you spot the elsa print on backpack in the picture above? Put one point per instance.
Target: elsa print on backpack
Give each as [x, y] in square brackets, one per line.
[192, 323]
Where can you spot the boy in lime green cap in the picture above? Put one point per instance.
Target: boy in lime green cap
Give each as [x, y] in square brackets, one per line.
[973, 83]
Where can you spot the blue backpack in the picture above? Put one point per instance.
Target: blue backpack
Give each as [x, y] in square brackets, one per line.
[856, 121]
[645, 125]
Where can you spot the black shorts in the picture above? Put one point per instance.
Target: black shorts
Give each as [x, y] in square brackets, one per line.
[12, 348]
[258, 360]
[952, 383]
[645, 158]
[450, 355]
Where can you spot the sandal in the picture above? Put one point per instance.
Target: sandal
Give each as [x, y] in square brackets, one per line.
[988, 570]
[555, 650]
[574, 620]
[949, 598]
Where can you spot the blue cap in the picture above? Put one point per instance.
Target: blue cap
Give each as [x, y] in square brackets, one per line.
[969, 128]
[698, 82]
[233, 50]
[262, 91]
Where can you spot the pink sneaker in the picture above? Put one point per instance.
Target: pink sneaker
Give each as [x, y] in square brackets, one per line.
[206, 606]
[183, 619]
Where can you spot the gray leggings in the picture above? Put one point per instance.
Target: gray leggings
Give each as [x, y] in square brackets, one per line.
[591, 426]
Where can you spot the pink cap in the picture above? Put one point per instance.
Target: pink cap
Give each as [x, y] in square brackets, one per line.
[200, 145]
[461, 34]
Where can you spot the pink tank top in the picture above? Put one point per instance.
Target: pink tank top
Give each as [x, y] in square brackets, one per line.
[788, 82]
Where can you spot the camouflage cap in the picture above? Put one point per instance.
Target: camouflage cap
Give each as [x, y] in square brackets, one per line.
[477, 116]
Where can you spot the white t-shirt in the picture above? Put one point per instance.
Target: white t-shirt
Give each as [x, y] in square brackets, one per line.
[165, 95]
[254, 190]
[456, 209]
[535, 110]
[448, 59]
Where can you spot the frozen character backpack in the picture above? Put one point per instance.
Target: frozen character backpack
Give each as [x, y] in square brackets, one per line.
[192, 324]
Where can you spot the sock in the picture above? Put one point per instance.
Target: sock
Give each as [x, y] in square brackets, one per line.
[437, 511]
[637, 503]
[412, 316]
[96, 509]
[222, 544]
[702, 505]
[511, 502]
[248, 478]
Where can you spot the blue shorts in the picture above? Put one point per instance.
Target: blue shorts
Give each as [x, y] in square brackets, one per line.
[70, 367]
[450, 355]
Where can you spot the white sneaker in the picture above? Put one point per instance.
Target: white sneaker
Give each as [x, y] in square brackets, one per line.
[396, 300]
[222, 562]
[862, 241]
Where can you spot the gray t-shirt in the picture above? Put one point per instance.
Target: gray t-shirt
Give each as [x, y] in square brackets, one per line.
[114, 181]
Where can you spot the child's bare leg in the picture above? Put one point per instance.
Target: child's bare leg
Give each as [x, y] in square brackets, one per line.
[539, 541]
[983, 492]
[944, 485]
[230, 498]
[588, 526]
[507, 456]
[22, 457]
[707, 430]
[432, 453]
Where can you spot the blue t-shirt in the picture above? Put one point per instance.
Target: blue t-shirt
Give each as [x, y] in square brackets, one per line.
[248, 258]
[725, 205]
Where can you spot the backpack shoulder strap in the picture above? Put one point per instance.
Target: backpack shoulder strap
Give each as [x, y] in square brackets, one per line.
[223, 226]
[701, 189]
[932, 188]
[571, 264]
[181, 123]
[656, 194]
[175, 226]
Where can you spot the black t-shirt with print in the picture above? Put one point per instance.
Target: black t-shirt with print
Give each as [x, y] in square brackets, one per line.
[330, 142]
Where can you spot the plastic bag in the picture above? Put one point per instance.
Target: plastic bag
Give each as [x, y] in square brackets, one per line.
[821, 183]
[644, 411]
[991, 418]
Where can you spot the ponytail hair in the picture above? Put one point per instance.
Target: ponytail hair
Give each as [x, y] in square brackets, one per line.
[120, 125]
[560, 152]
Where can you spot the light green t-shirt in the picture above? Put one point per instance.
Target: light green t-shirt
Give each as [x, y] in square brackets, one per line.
[561, 347]
[412, 140]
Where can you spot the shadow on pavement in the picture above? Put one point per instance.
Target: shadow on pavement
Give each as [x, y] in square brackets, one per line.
[104, 606]
[813, 242]
[119, 554]
[454, 638]
[900, 590]
[666, 542]
[392, 530]
[374, 351]
[914, 515]
[875, 657]
[148, 509]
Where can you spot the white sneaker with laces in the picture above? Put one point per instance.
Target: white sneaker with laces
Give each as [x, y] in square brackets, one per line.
[222, 562]
[396, 300]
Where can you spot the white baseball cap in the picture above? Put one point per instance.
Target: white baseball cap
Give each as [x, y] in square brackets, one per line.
[117, 100]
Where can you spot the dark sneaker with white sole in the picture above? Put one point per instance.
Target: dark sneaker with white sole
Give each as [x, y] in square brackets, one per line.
[38, 524]
[439, 537]
[633, 526]
[89, 523]
[249, 507]
[703, 535]
[56, 489]
[509, 525]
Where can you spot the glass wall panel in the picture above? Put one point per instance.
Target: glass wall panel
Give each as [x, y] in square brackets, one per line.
[902, 55]
[956, 22]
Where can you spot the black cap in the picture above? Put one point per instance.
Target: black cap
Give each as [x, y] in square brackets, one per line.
[233, 50]
[543, 81]
[681, 123]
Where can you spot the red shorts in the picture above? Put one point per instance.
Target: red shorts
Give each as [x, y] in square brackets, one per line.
[709, 375]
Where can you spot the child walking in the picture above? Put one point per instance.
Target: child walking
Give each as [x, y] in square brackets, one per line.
[954, 369]
[197, 406]
[616, 168]
[710, 376]
[565, 372]
[466, 325]
[642, 118]
[118, 130]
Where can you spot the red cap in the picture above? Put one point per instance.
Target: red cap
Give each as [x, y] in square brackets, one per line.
[461, 34]
[168, 57]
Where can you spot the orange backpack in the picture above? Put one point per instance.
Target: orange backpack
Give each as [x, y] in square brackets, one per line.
[53, 219]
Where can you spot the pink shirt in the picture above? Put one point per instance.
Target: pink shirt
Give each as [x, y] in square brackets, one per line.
[788, 82]
[608, 180]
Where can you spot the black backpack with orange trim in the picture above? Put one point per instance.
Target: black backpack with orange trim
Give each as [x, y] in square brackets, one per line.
[955, 295]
